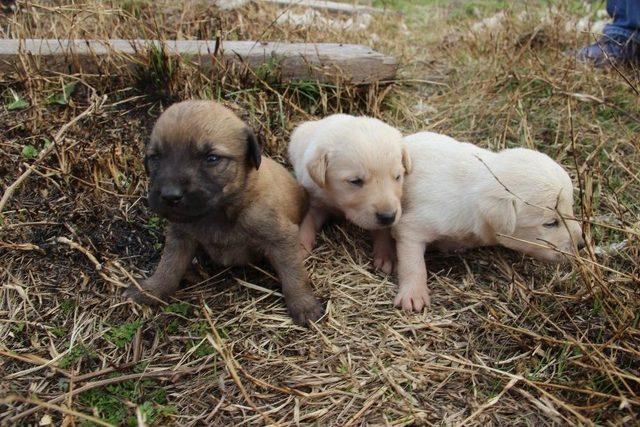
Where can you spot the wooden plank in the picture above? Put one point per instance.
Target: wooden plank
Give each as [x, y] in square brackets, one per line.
[330, 6]
[294, 61]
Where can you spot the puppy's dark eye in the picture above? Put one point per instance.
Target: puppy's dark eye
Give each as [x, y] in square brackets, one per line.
[398, 177]
[552, 224]
[212, 158]
[357, 182]
[150, 162]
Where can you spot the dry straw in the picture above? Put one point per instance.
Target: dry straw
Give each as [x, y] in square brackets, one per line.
[506, 341]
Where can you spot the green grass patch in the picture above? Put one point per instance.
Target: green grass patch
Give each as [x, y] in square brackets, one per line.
[67, 306]
[123, 334]
[157, 74]
[156, 223]
[181, 308]
[109, 402]
[77, 353]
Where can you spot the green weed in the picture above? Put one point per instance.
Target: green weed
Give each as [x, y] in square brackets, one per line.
[78, 352]
[156, 75]
[123, 334]
[64, 96]
[109, 402]
[29, 152]
[67, 306]
[15, 101]
[181, 308]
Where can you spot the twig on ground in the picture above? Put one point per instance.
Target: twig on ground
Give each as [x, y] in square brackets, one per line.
[14, 398]
[166, 373]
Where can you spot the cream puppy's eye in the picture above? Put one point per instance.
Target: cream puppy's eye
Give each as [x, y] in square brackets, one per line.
[552, 224]
[398, 177]
[358, 182]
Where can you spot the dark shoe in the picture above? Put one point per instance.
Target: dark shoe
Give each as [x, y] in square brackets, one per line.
[608, 50]
[8, 6]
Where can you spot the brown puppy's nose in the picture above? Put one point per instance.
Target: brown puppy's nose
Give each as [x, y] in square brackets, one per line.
[171, 194]
[386, 218]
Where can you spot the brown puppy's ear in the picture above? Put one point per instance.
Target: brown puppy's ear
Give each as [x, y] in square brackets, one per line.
[406, 160]
[317, 168]
[500, 213]
[254, 151]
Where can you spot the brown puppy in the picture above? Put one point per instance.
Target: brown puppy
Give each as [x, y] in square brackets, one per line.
[209, 179]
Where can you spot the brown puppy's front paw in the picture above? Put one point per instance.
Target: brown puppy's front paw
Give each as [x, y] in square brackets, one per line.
[147, 296]
[305, 308]
[413, 298]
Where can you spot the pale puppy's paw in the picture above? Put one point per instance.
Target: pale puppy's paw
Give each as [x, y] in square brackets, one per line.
[307, 242]
[413, 298]
[383, 261]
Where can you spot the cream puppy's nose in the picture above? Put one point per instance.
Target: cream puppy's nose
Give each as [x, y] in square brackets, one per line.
[386, 218]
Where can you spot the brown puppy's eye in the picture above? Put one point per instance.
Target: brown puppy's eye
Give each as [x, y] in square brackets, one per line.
[357, 182]
[552, 224]
[212, 158]
[150, 161]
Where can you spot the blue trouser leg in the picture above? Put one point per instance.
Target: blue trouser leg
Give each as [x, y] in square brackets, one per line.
[626, 19]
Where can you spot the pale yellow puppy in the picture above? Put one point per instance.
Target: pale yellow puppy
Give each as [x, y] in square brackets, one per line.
[461, 196]
[355, 167]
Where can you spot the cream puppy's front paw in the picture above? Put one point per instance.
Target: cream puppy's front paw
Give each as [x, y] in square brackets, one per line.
[413, 298]
[383, 260]
[384, 251]
[307, 242]
[307, 235]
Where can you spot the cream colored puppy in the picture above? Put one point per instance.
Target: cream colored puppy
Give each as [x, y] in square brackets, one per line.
[461, 196]
[351, 166]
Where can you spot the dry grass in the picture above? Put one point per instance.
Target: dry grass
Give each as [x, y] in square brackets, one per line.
[506, 341]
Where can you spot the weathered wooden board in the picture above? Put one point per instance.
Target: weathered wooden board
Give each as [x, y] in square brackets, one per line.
[294, 61]
[331, 6]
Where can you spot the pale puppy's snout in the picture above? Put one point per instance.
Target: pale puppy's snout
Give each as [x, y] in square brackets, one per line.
[576, 231]
[386, 218]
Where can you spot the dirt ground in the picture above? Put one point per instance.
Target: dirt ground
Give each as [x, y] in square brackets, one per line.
[506, 341]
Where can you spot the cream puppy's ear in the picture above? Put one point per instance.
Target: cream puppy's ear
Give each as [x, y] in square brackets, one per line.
[500, 213]
[317, 167]
[406, 160]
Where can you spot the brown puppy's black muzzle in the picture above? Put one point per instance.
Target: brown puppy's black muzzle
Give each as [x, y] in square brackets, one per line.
[171, 194]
